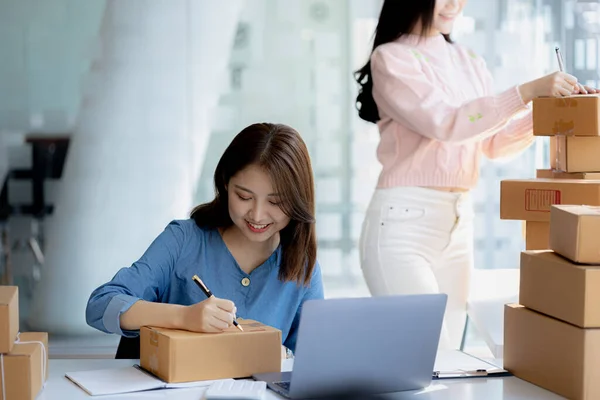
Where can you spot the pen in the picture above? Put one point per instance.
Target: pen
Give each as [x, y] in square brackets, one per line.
[561, 65]
[209, 294]
[460, 372]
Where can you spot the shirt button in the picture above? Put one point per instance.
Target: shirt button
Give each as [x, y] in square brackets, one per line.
[246, 282]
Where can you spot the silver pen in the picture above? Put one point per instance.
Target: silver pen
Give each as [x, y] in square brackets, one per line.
[561, 65]
[461, 373]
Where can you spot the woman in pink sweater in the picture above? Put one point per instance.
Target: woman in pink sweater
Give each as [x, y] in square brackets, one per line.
[437, 115]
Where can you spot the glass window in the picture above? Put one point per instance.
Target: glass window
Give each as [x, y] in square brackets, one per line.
[299, 65]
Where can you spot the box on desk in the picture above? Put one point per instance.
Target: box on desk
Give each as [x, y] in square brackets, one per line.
[537, 235]
[575, 153]
[577, 115]
[9, 317]
[182, 356]
[555, 174]
[575, 232]
[531, 199]
[25, 367]
[552, 354]
[555, 286]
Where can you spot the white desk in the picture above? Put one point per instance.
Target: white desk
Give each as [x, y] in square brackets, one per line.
[508, 388]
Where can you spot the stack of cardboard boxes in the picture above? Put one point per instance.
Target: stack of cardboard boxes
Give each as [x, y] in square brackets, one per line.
[24, 356]
[552, 337]
[573, 124]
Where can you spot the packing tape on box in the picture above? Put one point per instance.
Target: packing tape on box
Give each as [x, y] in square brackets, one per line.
[559, 150]
[18, 341]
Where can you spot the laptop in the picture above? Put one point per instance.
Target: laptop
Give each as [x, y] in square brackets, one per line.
[363, 346]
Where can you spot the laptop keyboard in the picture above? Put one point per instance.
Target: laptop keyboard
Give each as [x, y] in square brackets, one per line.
[284, 385]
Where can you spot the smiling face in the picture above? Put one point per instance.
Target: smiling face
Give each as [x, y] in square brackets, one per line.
[445, 14]
[254, 207]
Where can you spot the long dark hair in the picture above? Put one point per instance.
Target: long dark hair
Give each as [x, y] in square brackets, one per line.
[283, 155]
[397, 18]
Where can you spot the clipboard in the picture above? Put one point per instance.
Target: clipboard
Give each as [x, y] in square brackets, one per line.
[456, 364]
[478, 373]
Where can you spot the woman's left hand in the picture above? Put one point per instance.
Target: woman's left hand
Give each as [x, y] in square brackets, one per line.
[581, 89]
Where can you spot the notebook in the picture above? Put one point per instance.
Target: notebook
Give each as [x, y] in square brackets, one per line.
[124, 380]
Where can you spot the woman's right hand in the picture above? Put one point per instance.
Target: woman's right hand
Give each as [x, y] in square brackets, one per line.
[212, 315]
[557, 84]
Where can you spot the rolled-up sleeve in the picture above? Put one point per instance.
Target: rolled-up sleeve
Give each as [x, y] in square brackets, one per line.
[146, 279]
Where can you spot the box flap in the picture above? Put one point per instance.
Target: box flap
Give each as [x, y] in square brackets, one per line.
[248, 325]
[7, 294]
[554, 181]
[555, 174]
[577, 209]
[551, 257]
[24, 349]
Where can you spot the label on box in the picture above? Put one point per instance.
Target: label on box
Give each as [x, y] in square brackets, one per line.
[541, 199]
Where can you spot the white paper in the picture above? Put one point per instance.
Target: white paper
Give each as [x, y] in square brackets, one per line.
[455, 360]
[123, 380]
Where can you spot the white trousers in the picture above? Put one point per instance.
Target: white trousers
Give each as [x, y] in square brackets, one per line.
[416, 240]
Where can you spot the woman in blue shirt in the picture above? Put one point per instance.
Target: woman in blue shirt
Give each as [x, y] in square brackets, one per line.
[254, 246]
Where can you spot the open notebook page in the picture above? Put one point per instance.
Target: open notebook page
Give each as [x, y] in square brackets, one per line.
[123, 380]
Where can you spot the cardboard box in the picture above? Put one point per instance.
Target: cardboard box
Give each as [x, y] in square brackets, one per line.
[182, 356]
[554, 174]
[537, 235]
[552, 354]
[531, 199]
[555, 286]
[23, 367]
[575, 232]
[9, 317]
[576, 153]
[577, 115]
[553, 155]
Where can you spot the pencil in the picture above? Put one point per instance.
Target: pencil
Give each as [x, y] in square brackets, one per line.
[209, 294]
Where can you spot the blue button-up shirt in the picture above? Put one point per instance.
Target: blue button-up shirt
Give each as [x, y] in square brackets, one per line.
[164, 274]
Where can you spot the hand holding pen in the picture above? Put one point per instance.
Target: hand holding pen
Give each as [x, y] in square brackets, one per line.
[579, 88]
[209, 295]
[556, 84]
[212, 315]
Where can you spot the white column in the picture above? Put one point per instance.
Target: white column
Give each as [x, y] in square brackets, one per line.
[135, 157]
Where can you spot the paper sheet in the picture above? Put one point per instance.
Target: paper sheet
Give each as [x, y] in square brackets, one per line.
[457, 364]
[450, 360]
[123, 380]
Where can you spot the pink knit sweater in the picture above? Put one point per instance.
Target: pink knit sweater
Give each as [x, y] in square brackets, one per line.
[438, 114]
